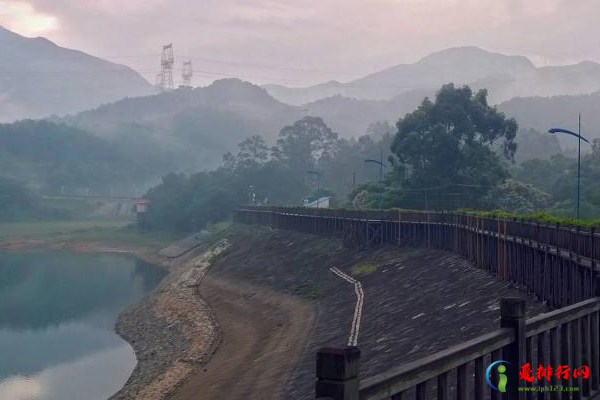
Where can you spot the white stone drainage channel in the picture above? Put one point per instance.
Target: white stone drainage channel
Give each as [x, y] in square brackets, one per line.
[360, 295]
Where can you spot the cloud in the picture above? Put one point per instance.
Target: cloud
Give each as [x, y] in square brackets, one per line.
[24, 18]
[303, 38]
[20, 388]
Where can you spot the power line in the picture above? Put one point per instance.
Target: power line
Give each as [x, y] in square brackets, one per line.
[240, 63]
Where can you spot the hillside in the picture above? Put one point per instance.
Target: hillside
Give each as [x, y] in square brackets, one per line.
[39, 78]
[543, 113]
[352, 117]
[198, 125]
[505, 77]
[54, 158]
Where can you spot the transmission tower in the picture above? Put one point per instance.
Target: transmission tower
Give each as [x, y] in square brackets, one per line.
[187, 73]
[164, 80]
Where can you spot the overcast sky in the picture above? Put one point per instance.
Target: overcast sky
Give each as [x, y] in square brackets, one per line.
[302, 42]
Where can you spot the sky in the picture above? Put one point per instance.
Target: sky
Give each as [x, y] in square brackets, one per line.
[304, 42]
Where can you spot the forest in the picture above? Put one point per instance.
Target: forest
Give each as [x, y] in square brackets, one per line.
[455, 151]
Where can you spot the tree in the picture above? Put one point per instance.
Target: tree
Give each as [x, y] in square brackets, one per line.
[252, 151]
[305, 143]
[449, 141]
[514, 196]
[377, 130]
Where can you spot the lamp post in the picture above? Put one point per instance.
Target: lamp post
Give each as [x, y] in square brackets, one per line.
[381, 165]
[319, 176]
[580, 138]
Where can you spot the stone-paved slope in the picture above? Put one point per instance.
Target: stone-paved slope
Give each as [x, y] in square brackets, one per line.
[417, 301]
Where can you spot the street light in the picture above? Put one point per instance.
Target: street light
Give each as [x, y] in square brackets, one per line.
[580, 138]
[319, 177]
[381, 165]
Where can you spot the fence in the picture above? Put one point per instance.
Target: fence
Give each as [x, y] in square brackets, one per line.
[556, 264]
[565, 337]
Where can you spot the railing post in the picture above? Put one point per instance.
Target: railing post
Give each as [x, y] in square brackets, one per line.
[337, 373]
[512, 315]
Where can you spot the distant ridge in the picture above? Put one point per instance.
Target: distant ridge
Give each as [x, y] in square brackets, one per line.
[39, 78]
[504, 76]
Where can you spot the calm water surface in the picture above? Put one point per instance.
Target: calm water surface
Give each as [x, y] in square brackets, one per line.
[57, 317]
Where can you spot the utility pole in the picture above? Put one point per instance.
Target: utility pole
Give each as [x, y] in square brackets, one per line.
[187, 73]
[579, 171]
[580, 138]
[380, 177]
[164, 80]
[381, 165]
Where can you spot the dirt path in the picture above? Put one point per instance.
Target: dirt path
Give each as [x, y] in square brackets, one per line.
[263, 334]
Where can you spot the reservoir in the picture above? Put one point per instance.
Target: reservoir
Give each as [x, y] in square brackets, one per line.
[57, 317]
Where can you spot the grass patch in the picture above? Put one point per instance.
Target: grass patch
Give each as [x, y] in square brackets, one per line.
[51, 228]
[364, 269]
[316, 291]
[111, 233]
[219, 227]
[541, 217]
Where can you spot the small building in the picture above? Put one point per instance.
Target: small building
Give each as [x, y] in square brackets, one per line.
[140, 208]
[321, 202]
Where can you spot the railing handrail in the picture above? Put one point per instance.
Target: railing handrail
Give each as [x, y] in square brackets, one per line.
[564, 228]
[395, 380]
[465, 234]
[546, 321]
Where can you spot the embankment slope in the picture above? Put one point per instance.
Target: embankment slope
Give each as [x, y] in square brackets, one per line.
[417, 301]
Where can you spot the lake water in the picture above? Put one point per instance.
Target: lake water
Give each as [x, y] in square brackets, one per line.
[57, 316]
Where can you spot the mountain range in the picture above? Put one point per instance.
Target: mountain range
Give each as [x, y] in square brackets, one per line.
[197, 126]
[504, 76]
[39, 78]
[189, 129]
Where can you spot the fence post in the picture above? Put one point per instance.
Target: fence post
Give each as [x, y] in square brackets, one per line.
[512, 315]
[337, 373]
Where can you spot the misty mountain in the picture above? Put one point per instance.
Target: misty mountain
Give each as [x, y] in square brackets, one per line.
[39, 78]
[54, 157]
[504, 76]
[543, 113]
[199, 125]
[352, 117]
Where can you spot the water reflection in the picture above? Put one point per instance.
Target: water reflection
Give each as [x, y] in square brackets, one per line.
[57, 315]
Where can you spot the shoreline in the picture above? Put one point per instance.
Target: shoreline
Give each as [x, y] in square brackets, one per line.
[172, 330]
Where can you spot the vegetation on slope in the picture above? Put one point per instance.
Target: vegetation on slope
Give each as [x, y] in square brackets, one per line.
[453, 152]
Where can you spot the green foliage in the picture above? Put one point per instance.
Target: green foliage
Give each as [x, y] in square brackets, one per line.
[305, 143]
[363, 269]
[450, 141]
[514, 196]
[17, 202]
[346, 170]
[541, 217]
[533, 144]
[187, 203]
[54, 157]
[557, 176]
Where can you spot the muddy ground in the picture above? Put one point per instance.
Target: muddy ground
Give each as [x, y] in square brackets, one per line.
[417, 301]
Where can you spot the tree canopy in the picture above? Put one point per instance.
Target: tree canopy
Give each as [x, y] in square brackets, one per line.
[450, 141]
